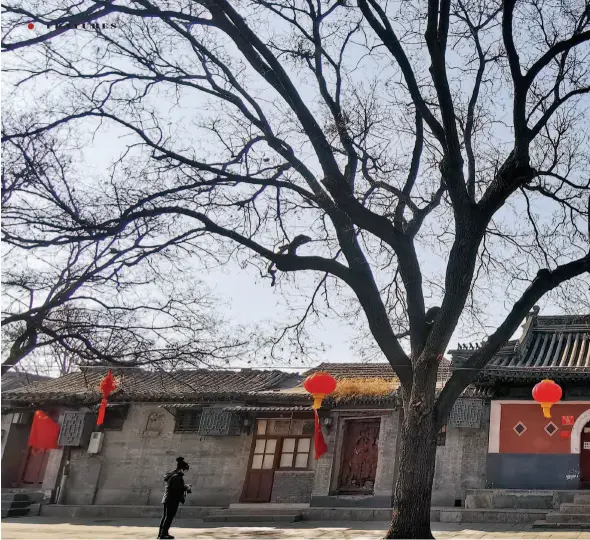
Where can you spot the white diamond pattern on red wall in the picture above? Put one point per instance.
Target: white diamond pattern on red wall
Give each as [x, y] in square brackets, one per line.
[551, 429]
[519, 428]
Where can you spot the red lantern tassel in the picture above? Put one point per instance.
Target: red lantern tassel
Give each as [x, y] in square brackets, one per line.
[101, 410]
[319, 443]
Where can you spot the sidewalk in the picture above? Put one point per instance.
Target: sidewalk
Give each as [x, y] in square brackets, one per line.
[127, 529]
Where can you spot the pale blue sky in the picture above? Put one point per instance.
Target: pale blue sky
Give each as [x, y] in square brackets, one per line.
[245, 298]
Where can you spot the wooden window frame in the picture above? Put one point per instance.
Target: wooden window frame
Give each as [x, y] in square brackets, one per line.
[280, 442]
[296, 437]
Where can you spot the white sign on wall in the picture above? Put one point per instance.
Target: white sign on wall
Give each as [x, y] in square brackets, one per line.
[586, 445]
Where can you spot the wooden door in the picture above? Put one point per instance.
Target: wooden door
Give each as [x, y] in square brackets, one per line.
[34, 467]
[263, 462]
[359, 456]
[585, 457]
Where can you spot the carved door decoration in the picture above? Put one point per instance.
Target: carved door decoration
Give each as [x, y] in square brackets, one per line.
[359, 456]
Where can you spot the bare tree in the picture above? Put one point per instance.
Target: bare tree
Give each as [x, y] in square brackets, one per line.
[355, 141]
[116, 301]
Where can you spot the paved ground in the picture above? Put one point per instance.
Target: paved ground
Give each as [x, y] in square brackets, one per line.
[127, 529]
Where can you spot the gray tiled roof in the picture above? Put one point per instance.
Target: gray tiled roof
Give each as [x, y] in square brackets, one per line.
[12, 380]
[550, 345]
[154, 386]
[368, 371]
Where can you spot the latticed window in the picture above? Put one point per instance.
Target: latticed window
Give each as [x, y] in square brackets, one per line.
[187, 420]
[466, 413]
[215, 422]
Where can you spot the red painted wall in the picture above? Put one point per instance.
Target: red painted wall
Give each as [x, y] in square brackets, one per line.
[535, 440]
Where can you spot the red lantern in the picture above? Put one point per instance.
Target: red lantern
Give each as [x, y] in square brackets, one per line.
[319, 385]
[547, 393]
[107, 385]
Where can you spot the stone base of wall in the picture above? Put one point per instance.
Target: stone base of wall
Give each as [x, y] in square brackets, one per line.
[356, 501]
[533, 471]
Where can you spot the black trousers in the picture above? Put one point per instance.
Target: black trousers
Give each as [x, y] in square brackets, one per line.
[170, 509]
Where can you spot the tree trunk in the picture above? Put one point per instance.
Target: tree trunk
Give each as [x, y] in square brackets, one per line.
[413, 487]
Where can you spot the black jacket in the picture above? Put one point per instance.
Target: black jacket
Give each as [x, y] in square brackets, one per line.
[175, 487]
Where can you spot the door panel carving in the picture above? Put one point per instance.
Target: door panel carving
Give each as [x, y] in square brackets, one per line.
[359, 456]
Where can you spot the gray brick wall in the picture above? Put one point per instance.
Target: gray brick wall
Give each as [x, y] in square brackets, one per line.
[292, 487]
[132, 463]
[461, 463]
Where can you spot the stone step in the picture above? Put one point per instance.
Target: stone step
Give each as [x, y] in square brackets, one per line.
[15, 505]
[14, 497]
[558, 517]
[573, 508]
[492, 515]
[582, 498]
[14, 512]
[326, 513]
[262, 511]
[120, 511]
[542, 524]
[235, 517]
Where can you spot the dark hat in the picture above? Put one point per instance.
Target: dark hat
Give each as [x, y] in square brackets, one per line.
[181, 463]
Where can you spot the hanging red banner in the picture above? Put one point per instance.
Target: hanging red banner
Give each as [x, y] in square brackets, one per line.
[319, 444]
[44, 432]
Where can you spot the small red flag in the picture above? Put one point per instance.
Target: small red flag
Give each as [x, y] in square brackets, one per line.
[107, 385]
[44, 432]
[319, 443]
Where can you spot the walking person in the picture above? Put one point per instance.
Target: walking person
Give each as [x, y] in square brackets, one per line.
[175, 494]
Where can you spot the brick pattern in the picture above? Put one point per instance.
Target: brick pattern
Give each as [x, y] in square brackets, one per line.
[461, 463]
[292, 487]
[131, 465]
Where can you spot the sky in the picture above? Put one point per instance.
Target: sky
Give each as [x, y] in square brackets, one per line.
[245, 298]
